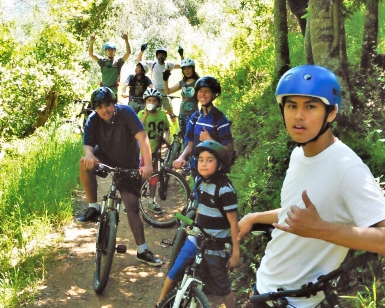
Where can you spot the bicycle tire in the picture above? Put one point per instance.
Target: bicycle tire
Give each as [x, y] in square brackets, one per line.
[105, 249]
[177, 194]
[180, 239]
[196, 299]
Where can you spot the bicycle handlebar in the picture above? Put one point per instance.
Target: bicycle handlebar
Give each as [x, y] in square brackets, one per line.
[109, 169]
[311, 288]
[82, 101]
[170, 96]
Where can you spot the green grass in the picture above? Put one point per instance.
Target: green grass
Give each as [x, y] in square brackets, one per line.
[38, 176]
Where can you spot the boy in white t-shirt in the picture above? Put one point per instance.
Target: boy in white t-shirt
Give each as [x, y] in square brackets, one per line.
[330, 201]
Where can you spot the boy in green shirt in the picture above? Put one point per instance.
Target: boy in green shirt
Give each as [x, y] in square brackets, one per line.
[157, 126]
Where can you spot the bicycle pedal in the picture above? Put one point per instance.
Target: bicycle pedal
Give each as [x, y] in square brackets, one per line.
[121, 248]
[165, 242]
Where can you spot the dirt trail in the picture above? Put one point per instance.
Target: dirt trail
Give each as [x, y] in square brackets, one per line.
[69, 280]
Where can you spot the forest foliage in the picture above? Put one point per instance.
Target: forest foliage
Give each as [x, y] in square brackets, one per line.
[44, 66]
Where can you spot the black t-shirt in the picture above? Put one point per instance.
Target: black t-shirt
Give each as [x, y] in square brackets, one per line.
[116, 140]
[138, 86]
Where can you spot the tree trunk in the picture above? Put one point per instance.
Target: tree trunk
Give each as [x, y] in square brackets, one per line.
[282, 57]
[369, 42]
[327, 43]
[298, 8]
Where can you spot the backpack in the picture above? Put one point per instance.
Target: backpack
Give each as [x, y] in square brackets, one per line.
[217, 114]
[114, 64]
[218, 185]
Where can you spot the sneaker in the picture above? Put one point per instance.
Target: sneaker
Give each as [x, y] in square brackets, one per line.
[90, 214]
[154, 207]
[148, 257]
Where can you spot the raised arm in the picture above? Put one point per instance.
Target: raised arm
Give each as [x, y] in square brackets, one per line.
[128, 47]
[143, 47]
[91, 49]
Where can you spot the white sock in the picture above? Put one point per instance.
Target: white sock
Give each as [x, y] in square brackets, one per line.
[142, 248]
[94, 205]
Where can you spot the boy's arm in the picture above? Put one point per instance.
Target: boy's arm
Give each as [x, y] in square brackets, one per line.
[140, 56]
[306, 222]
[247, 222]
[234, 260]
[91, 49]
[182, 159]
[144, 145]
[128, 47]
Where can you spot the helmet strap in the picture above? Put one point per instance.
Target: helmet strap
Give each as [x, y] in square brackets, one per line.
[325, 126]
[207, 106]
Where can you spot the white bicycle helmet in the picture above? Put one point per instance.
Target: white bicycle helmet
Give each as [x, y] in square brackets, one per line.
[161, 49]
[152, 92]
[187, 62]
[144, 66]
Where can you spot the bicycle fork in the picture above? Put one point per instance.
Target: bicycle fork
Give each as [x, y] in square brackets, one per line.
[181, 294]
[112, 203]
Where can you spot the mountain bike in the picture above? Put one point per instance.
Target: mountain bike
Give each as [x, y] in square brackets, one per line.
[181, 234]
[174, 149]
[136, 102]
[329, 284]
[108, 225]
[81, 117]
[189, 293]
[172, 192]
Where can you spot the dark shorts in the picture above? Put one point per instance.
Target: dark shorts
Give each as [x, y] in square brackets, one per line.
[214, 272]
[215, 275]
[125, 183]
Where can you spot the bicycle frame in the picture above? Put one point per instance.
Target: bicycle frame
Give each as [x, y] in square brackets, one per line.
[107, 227]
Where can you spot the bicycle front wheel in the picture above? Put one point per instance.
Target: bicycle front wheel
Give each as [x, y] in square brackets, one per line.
[196, 298]
[105, 248]
[175, 192]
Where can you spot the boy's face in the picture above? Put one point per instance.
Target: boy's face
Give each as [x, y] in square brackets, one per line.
[110, 52]
[207, 164]
[106, 111]
[205, 95]
[152, 103]
[304, 117]
[161, 57]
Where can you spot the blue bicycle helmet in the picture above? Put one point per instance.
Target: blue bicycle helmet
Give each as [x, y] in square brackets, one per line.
[310, 80]
[102, 95]
[110, 45]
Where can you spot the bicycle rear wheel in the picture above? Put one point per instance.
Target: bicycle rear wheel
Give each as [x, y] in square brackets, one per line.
[175, 194]
[196, 298]
[105, 248]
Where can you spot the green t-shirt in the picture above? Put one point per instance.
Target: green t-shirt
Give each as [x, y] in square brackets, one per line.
[111, 73]
[155, 125]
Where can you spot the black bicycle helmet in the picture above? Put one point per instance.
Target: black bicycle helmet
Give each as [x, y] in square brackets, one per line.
[210, 82]
[102, 95]
[161, 49]
[214, 147]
